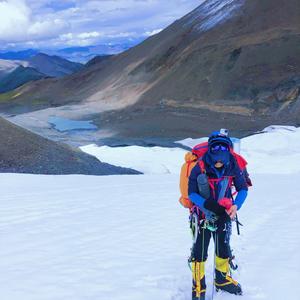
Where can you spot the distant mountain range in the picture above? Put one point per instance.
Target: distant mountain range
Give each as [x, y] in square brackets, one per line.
[74, 54]
[7, 66]
[56, 63]
[53, 66]
[18, 55]
[14, 73]
[232, 63]
[85, 54]
[18, 77]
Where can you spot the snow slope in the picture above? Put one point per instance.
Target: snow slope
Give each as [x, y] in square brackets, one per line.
[214, 12]
[127, 238]
[154, 160]
[275, 150]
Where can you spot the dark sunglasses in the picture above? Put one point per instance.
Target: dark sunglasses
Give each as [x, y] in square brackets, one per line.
[219, 147]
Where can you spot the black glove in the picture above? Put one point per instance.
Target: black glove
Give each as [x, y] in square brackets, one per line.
[214, 207]
[224, 218]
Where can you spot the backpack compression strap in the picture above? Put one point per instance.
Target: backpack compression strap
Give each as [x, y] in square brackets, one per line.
[202, 166]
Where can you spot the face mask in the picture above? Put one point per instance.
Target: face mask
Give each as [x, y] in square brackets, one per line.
[219, 155]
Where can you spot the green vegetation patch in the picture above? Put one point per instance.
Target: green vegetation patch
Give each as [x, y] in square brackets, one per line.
[6, 97]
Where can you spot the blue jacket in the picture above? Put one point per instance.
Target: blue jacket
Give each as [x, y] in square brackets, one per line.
[231, 169]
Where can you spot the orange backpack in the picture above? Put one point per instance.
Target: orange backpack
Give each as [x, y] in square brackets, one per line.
[190, 162]
[194, 157]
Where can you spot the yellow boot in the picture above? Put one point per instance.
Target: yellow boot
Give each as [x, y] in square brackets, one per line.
[199, 286]
[223, 280]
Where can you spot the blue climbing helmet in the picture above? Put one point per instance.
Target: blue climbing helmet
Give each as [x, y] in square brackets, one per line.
[219, 146]
[220, 137]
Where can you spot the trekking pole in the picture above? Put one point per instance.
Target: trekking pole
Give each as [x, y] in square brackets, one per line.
[194, 226]
[236, 219]
[233, 265]
[214, 267]
[238, 224]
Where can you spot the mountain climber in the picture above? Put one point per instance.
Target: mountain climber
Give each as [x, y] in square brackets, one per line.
[217, 211]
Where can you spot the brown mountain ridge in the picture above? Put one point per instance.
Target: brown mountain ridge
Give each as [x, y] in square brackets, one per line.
[233, 63]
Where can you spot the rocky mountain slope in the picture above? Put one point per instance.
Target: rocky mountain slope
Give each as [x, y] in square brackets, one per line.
[97, 60]
[228, 62]
[24, 152]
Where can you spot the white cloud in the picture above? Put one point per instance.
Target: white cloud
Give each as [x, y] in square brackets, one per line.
[14, 17]
[47, 28]
[92, 38]
[80, 39]
[19, 24]
[56, 23]
[87, 35]
[153, 32]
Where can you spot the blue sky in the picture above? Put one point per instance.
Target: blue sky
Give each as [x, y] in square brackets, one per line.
[67, 23]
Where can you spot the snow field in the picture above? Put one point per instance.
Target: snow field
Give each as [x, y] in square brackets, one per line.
[154, 160]
[213, 13]
[84, 237]
[126, 237]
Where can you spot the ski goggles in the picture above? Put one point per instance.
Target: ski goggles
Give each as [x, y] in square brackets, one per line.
[219, 147]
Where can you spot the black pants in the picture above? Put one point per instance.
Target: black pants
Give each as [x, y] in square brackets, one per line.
[221, 238]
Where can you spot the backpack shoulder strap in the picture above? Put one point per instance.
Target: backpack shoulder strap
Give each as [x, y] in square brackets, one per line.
[201, 165]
